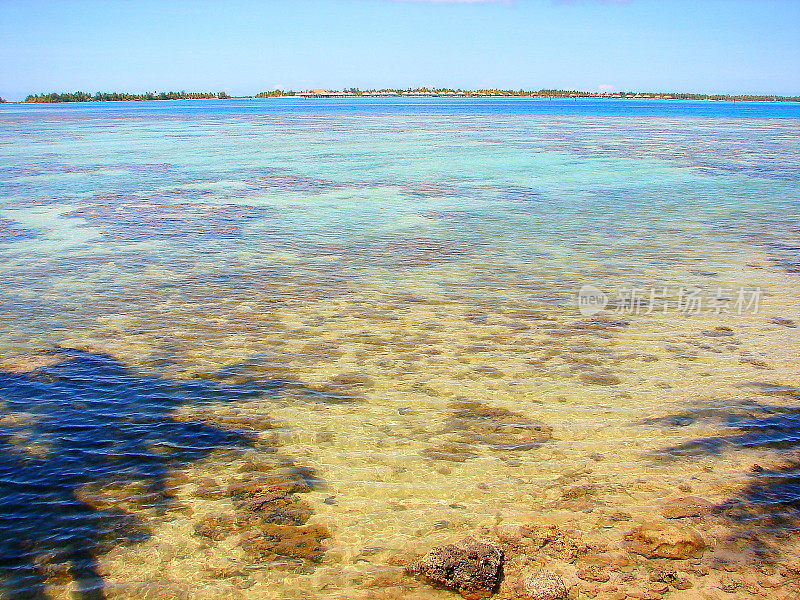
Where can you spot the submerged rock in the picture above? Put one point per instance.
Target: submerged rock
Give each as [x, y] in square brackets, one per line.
[550, 540]
[259, 484]
[544, 586]
[719, 332]
[666, 540]
[600, 379]
[216, 527]
[691, 506]
[271, 542]
[454, 452]
[471, 567]
[496, 427]
[30, 362]
[475, 425]
[277, 508]
[783, 321]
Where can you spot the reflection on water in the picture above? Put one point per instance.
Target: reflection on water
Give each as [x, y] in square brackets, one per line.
[320, 339]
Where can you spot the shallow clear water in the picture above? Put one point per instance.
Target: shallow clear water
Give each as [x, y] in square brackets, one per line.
[369, 308]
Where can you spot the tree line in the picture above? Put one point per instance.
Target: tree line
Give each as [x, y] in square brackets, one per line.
[545, 94]
[183, 95]
[123, 97]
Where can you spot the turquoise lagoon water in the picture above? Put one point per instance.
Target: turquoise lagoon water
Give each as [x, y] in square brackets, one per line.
[274, 348]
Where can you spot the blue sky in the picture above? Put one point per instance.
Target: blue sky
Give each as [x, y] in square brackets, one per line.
[247, 46]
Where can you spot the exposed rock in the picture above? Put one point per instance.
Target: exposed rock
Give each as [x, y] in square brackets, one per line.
[690, 506]
[665, 575]
[659, 588]
[666, 540]
[471, 567]
[544, 586]
[729, 584]
[682, 583]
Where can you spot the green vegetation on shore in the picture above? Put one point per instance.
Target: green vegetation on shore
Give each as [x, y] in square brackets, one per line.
[121, 97]
[451, 92]
[273, 94]
[424, 92]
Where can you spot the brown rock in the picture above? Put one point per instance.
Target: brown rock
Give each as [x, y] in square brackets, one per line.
[30, 362]
[682, 583]
[471, 567]
[593, 573]
[509, 535]
[209, 489]
[278, 508]
[729, 584]
[260, 484]
[663, 575]
[690, 506]
[659, 588]
[600, 378]
[553, 542]
[620, 516]
[216, 527]
[579, 491]
[454, 452]
[544, 586]
[666, 540]
[274, 541]
[495, 427]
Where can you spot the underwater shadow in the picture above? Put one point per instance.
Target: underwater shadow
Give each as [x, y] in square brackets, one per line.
[90, 420]
[767, 508]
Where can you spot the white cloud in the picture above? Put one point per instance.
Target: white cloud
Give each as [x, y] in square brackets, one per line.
[606, 88]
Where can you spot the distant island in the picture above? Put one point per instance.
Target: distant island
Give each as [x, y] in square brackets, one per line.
[450, 92]
[388, 93]
[123, 97]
